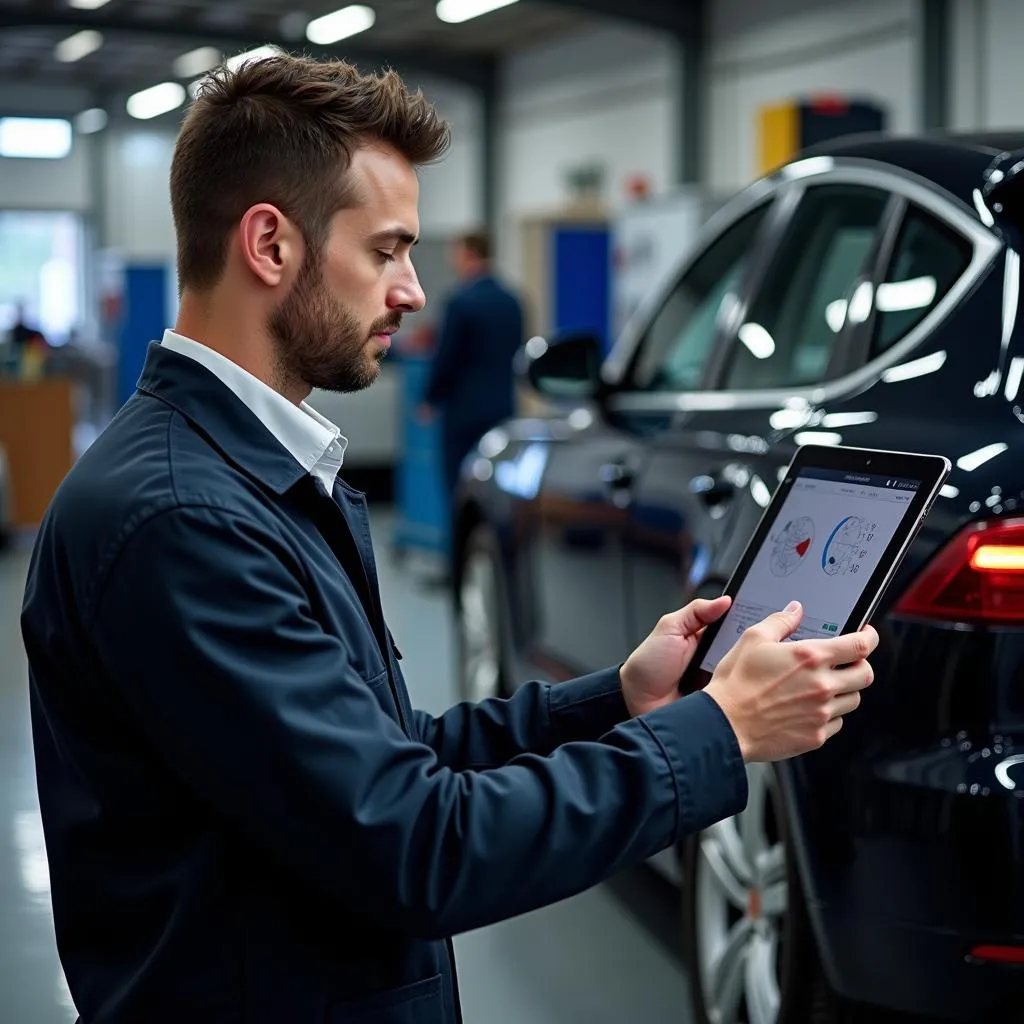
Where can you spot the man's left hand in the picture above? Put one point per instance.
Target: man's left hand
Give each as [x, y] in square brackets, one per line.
[650, 676]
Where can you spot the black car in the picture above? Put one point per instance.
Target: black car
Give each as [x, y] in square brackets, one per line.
[867, 294]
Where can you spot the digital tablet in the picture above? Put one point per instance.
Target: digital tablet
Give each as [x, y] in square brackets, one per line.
[831, 538]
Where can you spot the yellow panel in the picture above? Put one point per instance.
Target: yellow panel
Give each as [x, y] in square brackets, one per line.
[778, 136]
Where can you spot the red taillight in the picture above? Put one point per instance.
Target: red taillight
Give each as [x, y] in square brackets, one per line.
[999, 954]
[977, 577]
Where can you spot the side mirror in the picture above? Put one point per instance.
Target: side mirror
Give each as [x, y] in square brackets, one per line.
[565, 368]
[1003, 195]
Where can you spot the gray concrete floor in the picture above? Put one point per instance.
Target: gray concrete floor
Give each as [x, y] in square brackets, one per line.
[604, 957]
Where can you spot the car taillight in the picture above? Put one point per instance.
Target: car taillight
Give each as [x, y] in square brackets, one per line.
[977, 577]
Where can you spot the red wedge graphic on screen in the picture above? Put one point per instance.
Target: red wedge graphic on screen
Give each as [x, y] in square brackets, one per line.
[801, 548]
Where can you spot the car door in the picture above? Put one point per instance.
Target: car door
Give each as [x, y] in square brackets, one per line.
[713, 465]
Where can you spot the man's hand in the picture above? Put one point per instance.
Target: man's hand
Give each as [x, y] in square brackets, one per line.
[784, 699]
[650, 676]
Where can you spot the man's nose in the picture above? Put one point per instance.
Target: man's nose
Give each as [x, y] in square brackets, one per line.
[408, 296]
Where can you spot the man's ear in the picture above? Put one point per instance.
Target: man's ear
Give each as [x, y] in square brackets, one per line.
[271, 246]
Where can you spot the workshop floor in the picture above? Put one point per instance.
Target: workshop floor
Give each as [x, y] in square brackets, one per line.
[604, 957]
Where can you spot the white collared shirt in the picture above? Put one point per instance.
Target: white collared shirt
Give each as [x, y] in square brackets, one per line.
[314, 441]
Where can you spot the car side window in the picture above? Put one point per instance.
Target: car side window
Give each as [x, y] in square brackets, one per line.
[795, 321]
[677, 344]
[928, 259]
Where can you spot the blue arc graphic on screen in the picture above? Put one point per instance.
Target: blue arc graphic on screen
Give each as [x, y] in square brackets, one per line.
[831, 537]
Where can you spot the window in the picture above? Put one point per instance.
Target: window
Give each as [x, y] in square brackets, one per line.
[929, 258]
[678, 341]
[802, 305]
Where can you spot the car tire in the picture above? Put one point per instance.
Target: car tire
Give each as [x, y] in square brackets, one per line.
[481, 618]
[748, 944]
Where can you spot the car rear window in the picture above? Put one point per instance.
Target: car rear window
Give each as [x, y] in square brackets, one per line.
[928, 259]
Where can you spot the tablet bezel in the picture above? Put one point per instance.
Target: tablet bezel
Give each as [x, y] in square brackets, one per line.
[931, 470]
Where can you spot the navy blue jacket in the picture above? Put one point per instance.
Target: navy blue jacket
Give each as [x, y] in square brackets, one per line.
[246, 821]
[471, 379]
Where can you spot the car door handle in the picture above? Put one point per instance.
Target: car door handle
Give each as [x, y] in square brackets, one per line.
[712, 490]
[617, 476]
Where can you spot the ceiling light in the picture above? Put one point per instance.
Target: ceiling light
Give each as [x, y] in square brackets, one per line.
[90, 121]
[80, 45]
[260, 53]
[42, 138]
[349, 21]
[156, 100]
[915, 368]
[87, 5]
[454, 11]
[972, 460]
[196, 62]
[758, 341]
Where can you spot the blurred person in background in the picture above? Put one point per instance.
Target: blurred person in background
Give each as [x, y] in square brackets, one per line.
[471, 387]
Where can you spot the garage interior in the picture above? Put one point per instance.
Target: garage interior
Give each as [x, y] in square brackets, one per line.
[634, 120]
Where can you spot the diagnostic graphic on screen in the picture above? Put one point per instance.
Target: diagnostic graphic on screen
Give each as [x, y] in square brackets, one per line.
[822, 549]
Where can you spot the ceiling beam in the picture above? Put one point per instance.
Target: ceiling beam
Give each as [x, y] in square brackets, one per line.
[467, 70]
[680, 17]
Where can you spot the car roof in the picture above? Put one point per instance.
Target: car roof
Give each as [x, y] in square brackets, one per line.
[955, 162]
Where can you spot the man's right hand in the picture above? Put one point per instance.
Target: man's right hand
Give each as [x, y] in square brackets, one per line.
[784, 699]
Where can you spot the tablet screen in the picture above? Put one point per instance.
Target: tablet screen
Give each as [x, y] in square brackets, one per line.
[822, 549]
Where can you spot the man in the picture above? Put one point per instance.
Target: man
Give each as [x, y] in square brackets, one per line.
[245, 818]
[471, 380]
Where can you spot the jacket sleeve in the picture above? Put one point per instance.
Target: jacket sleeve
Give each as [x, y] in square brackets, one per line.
[535, 720]
[205, 627]
[445, 364]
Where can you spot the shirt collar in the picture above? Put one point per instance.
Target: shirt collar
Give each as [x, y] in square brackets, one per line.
[313, 440]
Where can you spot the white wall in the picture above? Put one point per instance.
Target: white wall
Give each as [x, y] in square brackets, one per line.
[777, 50]
[136, 165]
[606, 96]
[987, 37]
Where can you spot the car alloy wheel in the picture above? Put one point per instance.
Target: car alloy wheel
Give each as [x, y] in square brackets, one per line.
[738, 899]
[479, 624]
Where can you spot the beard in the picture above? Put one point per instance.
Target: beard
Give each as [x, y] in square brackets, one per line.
[319, 341]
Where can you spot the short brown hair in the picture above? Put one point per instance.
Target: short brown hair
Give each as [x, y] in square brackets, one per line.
[283, 130]
[478, 243]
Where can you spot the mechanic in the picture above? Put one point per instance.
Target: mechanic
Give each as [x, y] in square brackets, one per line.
[245, 818]
[472, 383]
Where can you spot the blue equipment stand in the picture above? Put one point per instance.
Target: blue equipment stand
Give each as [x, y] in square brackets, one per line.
[422, 521]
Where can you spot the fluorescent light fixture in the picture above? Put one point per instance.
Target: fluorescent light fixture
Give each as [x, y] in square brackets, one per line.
[835, 315]
[156, 100]
[983, 211]
[194, 87]
[87, 5]
[787, 419]
[260, 53]
[823, 437]
[90, 121]
[860, 303]
[1013, 378]
[949, 491]
[40, 138]
[349, 21]
[454, 11]
[196, 62]
[80, 45]
[758, 340]
[759, 492]
[898, 296]
[972, 460]
[915, 368]
[833, 420]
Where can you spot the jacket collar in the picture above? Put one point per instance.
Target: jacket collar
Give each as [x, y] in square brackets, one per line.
[212, 407]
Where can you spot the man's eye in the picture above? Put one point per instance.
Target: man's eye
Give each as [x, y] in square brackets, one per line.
[387, 257]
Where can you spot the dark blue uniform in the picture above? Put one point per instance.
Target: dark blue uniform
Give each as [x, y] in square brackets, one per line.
[246, 820]
[471, 380]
